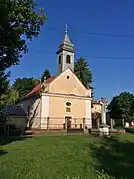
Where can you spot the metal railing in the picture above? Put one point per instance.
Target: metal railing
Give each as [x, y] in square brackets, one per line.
[52, 123]
[64, 123]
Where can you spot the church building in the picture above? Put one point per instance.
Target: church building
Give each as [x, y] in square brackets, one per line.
[61, 101]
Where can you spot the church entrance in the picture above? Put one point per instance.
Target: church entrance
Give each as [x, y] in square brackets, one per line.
[68, 121]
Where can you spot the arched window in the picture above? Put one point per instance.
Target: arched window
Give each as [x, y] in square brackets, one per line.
[68, 59]
[60, 59]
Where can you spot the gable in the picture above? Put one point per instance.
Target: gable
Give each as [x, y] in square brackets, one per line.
[68, 83]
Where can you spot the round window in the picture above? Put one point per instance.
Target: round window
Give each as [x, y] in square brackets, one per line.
[68, 104]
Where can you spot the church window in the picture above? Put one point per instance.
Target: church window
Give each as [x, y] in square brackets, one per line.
[68, 77]
[59, 59]
[68, 109]
[68, 104]
[68, 59]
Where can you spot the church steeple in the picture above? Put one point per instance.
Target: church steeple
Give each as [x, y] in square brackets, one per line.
[65, 54]
[66, 38]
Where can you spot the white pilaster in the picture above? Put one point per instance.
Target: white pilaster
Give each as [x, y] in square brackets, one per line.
[88, 119]
[44, 111]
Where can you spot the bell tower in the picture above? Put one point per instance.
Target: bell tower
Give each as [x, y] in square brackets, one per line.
[65, 54]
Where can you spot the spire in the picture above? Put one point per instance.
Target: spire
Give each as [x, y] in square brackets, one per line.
[65, 54]
[66, 44]
[66, 28]
[66, 38]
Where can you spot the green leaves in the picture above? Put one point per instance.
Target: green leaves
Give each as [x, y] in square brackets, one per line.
[24, 85]
[11, 97]
[122, 106]
[82, 71]
[46, 74]
[19, 20]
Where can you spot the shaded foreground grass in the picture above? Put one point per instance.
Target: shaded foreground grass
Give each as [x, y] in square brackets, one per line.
[115, 156]
[67, 157]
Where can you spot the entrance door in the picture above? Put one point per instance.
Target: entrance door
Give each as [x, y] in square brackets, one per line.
[68, 120]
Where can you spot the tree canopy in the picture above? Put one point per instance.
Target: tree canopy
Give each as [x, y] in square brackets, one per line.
[46, 74]
[19, 20]
[4, 82]
[122, 106]
[24, 85]
[10, 97]
[83, 72]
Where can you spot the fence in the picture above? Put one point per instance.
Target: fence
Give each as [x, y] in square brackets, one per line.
[53, 123]
[63, 123]
[116, 122]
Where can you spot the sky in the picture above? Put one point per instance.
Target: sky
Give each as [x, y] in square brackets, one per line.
[87, 20]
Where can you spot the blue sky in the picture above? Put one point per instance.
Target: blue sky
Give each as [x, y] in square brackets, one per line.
[111, 76]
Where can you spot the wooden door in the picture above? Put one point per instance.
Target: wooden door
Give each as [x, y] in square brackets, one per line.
[68, 120]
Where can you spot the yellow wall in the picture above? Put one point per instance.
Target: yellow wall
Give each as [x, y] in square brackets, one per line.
[63, 85]
[57, 111]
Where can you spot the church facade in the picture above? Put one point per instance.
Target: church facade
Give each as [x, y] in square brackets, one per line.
[62, 101]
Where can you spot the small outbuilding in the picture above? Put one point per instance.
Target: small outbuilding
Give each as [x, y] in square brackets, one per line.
[16, 116]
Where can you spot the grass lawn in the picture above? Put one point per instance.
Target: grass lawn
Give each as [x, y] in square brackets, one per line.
[67, 157]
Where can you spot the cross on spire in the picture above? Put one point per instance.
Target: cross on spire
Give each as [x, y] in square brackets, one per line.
[66, 28]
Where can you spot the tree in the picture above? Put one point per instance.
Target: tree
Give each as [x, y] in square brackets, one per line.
[46, 74]
[83, 72]
[11, 97]
[4, 82]
[122, 106]
[19, 20]
[3, 115]
[24, 85]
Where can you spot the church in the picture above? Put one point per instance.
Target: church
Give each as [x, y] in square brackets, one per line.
[61, 101]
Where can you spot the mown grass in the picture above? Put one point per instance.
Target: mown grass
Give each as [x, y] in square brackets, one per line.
[67, 157]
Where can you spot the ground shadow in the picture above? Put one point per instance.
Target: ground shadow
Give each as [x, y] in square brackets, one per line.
[33, 115]
[9, 139]
[12, 134]
[2, 152]
[115, 157]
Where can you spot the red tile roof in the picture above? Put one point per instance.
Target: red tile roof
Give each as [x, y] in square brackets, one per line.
[38, 87]
[50, 79]
[34, 90]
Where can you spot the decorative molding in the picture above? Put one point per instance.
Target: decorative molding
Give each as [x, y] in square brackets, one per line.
[65, 49]
[67, 96]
